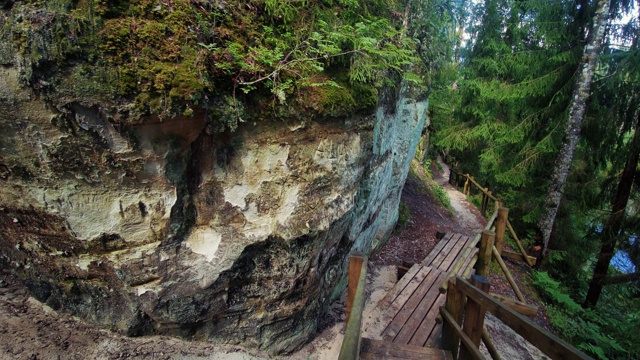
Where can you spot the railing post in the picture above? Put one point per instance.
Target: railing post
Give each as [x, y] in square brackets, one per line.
[489, 198]
[455, 306]
[355, 266]
[484, 255]
[501, 226]
[450, 176]
[466, 189]
[474, 317]
[350, 349]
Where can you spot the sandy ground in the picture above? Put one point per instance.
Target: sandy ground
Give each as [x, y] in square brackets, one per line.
[31, 330]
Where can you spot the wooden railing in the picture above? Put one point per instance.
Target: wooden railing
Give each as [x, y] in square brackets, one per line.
[490, 244]
[467, 182]
[350, 349]
[463, 325]
[455, 178]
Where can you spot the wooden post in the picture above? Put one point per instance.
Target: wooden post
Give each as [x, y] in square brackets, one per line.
[355, 266]
[455, 306]
[474, 317]
[350, 349]
[519, 306]
[507, 274]
[484, 255]
[490, 346]
[450, 176]
[466, 186]
[501, 226]
[483, 204]
[515, 237]
[551, 345]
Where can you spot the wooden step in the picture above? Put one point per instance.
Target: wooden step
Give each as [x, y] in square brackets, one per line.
[377, 349]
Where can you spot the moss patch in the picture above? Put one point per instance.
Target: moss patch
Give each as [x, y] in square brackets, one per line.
[166, 57]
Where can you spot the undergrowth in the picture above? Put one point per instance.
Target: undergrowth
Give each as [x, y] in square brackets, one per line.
[592, 330]
[404, 215]
[438, 193]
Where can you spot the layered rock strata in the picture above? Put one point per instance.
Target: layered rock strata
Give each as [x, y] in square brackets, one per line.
[165, 227]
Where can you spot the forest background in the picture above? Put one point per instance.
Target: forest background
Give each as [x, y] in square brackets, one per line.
[504, 109]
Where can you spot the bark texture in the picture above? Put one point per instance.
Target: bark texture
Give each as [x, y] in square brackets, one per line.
[574, 125]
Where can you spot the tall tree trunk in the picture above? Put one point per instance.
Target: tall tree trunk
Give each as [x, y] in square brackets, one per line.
[574, 125]
[462, 9]
[611, 230]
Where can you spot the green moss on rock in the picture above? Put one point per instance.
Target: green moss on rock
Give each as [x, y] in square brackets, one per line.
[167, 57]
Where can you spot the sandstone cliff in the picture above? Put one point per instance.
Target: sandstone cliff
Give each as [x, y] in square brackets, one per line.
[167, 226]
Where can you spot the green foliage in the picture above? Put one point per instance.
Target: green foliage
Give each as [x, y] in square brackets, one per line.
[404, 215]
[437, 191]
[504, 119]
[588, 329]
[167, 57]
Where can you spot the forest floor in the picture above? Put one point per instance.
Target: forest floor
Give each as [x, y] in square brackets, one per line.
[31, 330]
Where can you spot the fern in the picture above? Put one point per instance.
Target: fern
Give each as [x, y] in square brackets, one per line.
[580, 326]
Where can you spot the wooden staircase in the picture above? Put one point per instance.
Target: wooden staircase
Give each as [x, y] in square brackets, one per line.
[376, 349]
[433, 307]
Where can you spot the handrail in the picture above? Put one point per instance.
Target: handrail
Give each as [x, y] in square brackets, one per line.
[488, 195]
[350, 349]
[480, 187]
[457, 265]
[549, 344]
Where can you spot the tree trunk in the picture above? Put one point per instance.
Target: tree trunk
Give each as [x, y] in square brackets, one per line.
[460, 31]
[611, 230]
[574, 125]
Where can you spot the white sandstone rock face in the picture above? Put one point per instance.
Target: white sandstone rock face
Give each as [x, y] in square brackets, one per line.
[163, 228]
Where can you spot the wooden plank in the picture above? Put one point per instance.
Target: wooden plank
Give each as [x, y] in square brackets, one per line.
[549, 344]
[519, 306]
[459, 267]
[474, 318]
[414, 332]
[408, 307]
[391, 310]
[436, 250]
[519, 257]
[374, 349]
[454, 254]
[429, 323]
[350, 349]
[355, 265]
[468, 260]
[437, 261]
[399, 287]
[472, 262]
[463, 337]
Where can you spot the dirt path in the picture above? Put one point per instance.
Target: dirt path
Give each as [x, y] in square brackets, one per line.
[467, 216]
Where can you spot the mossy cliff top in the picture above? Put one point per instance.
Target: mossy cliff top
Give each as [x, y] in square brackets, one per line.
[321, 58]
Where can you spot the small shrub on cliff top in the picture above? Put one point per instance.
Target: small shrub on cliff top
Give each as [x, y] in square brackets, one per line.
[170, 55]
